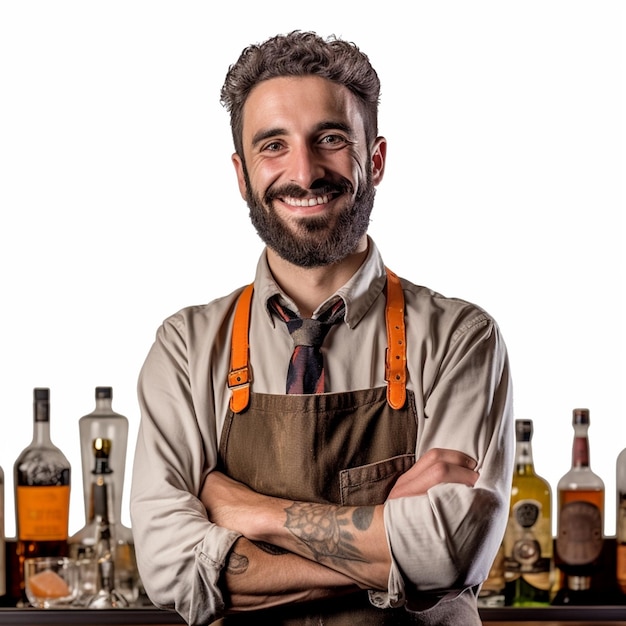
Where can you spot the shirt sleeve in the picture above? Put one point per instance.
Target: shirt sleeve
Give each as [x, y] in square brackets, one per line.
[180, 553]
[446, 540]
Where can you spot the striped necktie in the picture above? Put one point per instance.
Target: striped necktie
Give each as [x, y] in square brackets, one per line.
[306, 367]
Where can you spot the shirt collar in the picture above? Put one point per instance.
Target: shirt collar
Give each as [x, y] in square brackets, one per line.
[359, 293]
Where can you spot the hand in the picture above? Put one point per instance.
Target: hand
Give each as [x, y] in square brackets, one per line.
[232, 504]
[435, 467]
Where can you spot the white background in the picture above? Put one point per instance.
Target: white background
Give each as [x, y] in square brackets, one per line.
[118, 202]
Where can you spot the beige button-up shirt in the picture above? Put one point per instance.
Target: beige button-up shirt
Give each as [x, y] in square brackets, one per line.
[458, 372]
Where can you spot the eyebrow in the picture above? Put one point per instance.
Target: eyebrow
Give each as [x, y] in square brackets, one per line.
[268, 133]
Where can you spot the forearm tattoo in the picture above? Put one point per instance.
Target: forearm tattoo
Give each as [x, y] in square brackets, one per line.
[327, 532]
[269, 548]
[237, 563]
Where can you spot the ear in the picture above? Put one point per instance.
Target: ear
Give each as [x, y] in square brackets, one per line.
[379, 157]
[241, 179]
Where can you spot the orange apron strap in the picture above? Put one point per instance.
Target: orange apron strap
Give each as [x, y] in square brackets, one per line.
[395, 360]
[239, 377]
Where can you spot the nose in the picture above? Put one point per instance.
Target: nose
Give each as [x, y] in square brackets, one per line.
[305, 165]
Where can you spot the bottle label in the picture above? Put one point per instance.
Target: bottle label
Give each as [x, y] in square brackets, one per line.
[526, 531]
[42, 512]
[579, 540]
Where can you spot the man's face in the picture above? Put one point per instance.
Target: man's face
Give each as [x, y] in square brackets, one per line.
[307, 174]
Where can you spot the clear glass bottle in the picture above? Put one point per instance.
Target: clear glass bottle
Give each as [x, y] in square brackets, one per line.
[42, 490]
[528, 541]
[104, 423]
[82, 544]
[580, 514]
[620, 532]
[106, 595]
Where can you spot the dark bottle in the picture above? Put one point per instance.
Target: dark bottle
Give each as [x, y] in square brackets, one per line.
[104, 550]
[620, 481]
[42, 490]
[580, 516]
[3, 565]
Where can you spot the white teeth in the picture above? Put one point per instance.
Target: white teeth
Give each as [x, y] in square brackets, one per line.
[307, 201]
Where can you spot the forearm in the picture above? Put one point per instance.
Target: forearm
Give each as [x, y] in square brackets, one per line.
[348, 540]
[259, 575]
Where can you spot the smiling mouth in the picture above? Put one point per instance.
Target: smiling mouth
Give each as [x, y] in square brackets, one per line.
[307, 202]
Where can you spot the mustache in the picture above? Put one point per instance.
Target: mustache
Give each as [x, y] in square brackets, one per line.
[295, 191]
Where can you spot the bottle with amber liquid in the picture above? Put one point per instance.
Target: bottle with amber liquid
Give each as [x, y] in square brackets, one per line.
[580, 518]
[528, 541]
[42, 490]
[620, 532]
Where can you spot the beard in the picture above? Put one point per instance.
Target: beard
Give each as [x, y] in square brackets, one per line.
[317, 240]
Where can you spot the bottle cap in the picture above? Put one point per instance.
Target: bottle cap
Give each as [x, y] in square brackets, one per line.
[41, 394]
[523, 430]
[580, 416]
[104, 392]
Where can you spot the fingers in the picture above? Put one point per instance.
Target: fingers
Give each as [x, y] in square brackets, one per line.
[446, 455]
[436, 467]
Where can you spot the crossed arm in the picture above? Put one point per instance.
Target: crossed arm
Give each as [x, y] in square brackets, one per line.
[293, 551]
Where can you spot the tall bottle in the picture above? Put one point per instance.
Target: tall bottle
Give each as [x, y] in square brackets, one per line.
[580, 518]
[42, 490]
[104, 423]
[104, 550]
[3, 567]
[82, 544]
[528, 542]
[620, 482]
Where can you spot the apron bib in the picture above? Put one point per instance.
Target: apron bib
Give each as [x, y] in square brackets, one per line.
[344, 448]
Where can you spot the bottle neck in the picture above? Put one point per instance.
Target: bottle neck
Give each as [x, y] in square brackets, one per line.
[580, 448]
[41, 433]
[524, 458]
[41, 423]
[104, 405]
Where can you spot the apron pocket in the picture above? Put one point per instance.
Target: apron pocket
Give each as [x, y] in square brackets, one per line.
[370, 484]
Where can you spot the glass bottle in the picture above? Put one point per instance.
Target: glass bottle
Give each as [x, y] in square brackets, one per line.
[82, 544]
[621, 519]
[42, 490]
[106, 595]
[3, 567]
[104, 423]
[528, 542]
[580, 515]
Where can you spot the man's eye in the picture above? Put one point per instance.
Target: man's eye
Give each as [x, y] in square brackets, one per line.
[333, 139]
[273, 146]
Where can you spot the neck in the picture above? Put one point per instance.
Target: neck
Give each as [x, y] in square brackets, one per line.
[308, 287]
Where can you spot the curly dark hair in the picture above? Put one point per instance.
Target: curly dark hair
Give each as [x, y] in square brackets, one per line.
[301, 54]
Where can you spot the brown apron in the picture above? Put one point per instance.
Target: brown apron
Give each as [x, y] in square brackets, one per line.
[341, 448]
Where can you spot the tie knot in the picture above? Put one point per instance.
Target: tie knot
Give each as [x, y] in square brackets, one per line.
[306, 367]
[308, 331]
